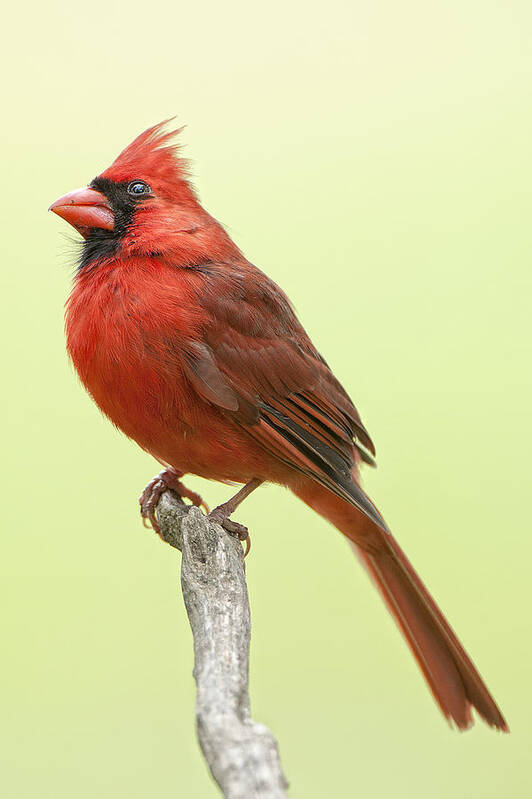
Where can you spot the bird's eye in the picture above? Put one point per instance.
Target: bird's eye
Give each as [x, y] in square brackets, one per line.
[138, 188]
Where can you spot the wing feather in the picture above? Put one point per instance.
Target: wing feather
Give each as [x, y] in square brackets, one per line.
[256, 362]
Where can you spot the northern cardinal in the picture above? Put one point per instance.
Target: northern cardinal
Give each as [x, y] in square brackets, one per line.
[199, 357]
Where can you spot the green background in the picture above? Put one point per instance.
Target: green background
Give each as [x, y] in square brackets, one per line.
[374, 159]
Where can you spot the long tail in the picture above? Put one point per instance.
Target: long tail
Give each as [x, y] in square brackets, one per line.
[453, 679]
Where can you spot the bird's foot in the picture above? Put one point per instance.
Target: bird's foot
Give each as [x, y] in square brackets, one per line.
[221, 517]
[168, 478]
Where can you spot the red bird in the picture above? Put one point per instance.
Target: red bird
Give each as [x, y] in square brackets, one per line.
[199, 357]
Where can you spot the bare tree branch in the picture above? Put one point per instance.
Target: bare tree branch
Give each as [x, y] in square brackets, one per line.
[242, 755]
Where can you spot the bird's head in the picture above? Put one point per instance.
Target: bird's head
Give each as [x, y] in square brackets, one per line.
[143, 204]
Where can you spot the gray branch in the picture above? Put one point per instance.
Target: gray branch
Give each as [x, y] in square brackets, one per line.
[242, 755]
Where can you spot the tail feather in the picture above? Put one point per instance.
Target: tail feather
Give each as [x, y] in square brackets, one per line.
[453, 679]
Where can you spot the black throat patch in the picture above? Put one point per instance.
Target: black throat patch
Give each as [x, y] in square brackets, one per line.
[101, 243]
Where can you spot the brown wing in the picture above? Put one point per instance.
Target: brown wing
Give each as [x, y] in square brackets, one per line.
[257, 363]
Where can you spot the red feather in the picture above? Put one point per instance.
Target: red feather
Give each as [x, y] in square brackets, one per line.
[199, 357]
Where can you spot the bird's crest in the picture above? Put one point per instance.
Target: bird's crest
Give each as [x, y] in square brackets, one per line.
[153, 154]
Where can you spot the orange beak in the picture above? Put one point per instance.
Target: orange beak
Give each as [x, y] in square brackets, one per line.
[85, 209]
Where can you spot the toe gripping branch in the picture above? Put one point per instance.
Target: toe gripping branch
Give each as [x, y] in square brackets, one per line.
[169, 479]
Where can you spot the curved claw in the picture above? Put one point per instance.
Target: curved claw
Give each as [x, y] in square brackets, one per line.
[167, 479]
[233, 528]
[195, 498]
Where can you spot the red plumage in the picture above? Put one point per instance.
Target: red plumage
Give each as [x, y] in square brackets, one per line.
[198, 356]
